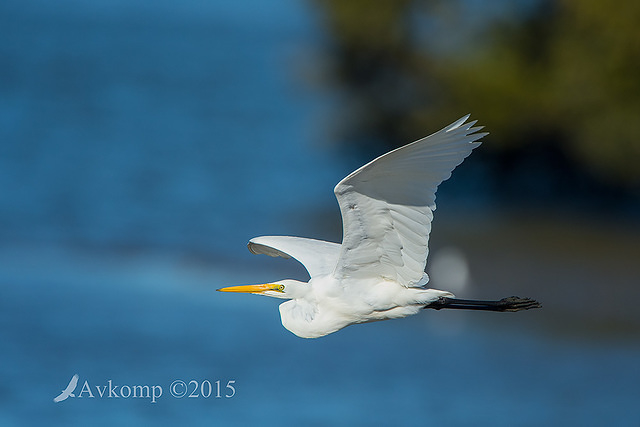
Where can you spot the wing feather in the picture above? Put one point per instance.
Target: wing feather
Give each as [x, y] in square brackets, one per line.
[317, 256]
[387, 205]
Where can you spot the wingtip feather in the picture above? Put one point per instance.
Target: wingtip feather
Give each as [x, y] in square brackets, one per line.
[457, 123]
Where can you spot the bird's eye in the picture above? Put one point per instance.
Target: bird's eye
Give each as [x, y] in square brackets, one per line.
[281, 288]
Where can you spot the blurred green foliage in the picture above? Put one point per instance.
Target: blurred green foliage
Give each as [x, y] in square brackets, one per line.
[557, 77]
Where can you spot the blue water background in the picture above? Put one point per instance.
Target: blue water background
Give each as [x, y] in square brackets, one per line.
[141, 145]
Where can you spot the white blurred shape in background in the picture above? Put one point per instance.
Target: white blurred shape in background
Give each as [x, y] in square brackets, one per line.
[449, 270]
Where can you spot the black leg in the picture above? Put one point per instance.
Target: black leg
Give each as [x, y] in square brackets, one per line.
[505, 304]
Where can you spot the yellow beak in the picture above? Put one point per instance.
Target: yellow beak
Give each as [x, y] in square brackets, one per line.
[253, 289]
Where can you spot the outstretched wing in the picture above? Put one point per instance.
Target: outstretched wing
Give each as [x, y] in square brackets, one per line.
[317, 256]
[387, 205]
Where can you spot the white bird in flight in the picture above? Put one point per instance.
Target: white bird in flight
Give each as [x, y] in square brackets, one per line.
[378, 272]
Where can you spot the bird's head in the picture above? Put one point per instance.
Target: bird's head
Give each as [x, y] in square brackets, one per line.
[284, 289]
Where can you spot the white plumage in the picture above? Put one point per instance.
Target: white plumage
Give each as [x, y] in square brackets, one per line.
[387, 205]
[377, 272]
[317, 256]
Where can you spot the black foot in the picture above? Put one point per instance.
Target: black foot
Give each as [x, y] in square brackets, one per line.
[517, 304]
[505, 304]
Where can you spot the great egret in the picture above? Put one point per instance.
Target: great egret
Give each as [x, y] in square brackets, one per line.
[377, 272]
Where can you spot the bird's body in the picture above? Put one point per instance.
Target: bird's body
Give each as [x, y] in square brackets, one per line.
[328, 306]
[377, 273]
